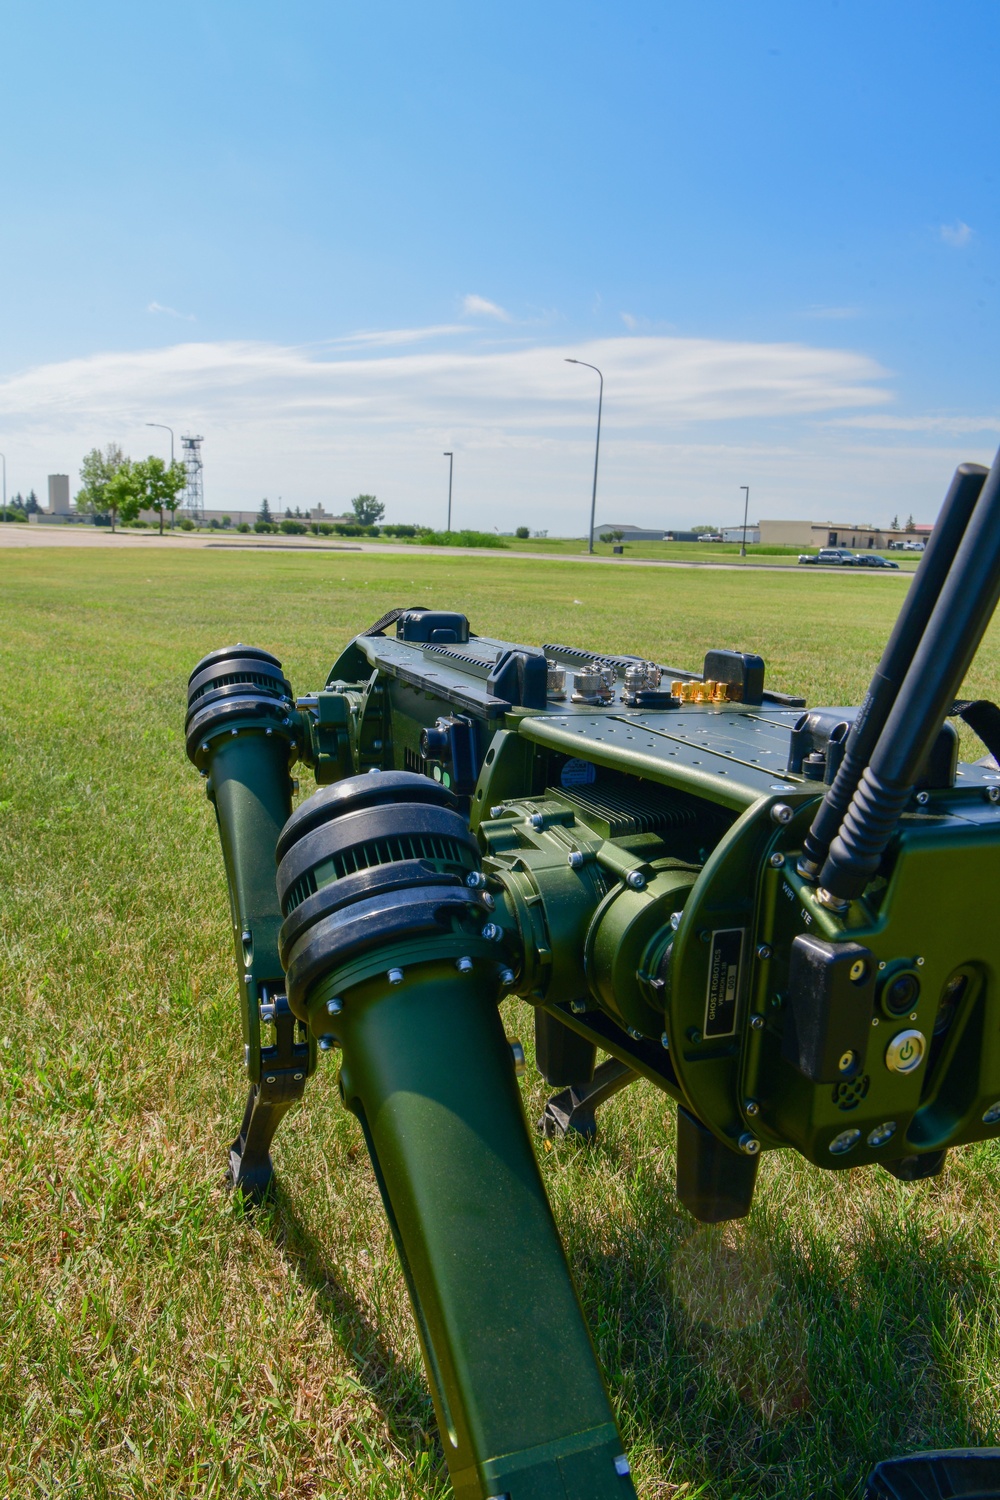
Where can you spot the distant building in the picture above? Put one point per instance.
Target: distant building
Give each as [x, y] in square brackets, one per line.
[59, 495]
[735, 534]
[838, 534]
[631, 533]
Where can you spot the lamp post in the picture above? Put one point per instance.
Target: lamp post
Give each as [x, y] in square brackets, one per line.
[746, 506]
[451, 464]
[165, 428]
[597, 447]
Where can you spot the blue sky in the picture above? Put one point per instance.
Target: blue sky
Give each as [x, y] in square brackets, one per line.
[338, 240]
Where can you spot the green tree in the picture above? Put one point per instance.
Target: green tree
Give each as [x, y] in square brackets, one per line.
[159, 485]
[96, 471]
[522, 532]
[264, 514]
[894, 524]
[368, 511]
[31, 505]
[704, 530]
[121, 496]
[911, 524]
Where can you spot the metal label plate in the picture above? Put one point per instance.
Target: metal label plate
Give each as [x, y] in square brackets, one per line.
[722, 997]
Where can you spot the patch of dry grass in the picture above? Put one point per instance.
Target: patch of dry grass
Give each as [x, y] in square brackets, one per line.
[154, 1341]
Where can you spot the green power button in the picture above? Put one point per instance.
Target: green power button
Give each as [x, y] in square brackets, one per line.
[905, 1052]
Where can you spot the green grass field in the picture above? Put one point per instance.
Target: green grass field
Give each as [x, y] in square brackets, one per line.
[154, 1341]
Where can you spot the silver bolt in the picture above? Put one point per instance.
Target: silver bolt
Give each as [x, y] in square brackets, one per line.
[675, 920]
[782, 813]
[635, 1035]
[376, 744]
[270, 1078]
[635, 880]
[756, 1022]
[920, 963]
[923, 798]
[575, 860]
[475, 880]
[395, 976]
[578, 1007]
[234, 732]
[749, 1144]
[751, 1108]
[246, 1057]
[993, 794]
[537, 821]
[266, 1008]
[204, 747]
[507, 976]
[763, 951]
[334, 1006]
[298, 1077]
[488, 901]
[517, 1053]
[326, 1044]
[492, 933]
[621, 1466]
[777, 860]
[664, 1041]
[495, 812]
[268, 733]
[464, 965]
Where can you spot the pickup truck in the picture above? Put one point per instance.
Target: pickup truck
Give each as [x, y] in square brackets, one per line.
[831, 557]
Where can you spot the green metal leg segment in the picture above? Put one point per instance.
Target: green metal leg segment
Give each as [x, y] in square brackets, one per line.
[520, 1400]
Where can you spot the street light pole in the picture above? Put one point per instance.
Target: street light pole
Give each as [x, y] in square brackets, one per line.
[746, 507]
[451, 464]
[597, 446]
[165, 428]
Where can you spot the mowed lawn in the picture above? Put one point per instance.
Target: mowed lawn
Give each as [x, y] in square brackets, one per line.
[154, 1341]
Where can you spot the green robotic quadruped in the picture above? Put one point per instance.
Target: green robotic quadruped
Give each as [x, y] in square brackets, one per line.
[782, 917]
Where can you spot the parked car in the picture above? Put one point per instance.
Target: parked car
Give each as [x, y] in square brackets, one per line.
[831, 557]
[875, 560]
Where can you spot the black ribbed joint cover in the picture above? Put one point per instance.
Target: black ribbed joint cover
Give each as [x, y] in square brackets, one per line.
[230, 687]
[370, 861]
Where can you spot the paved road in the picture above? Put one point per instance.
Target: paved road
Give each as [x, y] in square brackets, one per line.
[22, 534]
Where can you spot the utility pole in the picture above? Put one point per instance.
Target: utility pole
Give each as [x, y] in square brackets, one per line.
[451, 464]
[597, 448]
[4, 457]
[171, 431]
[746, 507]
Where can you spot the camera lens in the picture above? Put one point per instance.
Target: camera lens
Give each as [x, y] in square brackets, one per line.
[900, 994]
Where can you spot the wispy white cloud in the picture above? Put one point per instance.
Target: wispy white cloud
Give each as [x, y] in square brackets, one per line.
[958, 234]
[885, 422]
[631, 322]
[686, 421]
[479, 307]
[171, 312]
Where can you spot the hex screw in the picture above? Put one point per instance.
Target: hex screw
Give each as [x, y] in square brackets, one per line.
[675, 920]
[635, 880]
[492, 933]
[763, 951]
[475, 880]
[782, 813]
[777, 860]
[537, 822]
[749, 1144]
[488, 901]
[993, 794]
[464, 965]
[326, 1044]
[234, 732]
[575, 860]
[756, 1022]
[334, 1006]
[923, 798]
[266, 1009]
[495, 812]
[694, 1035]
[578, 1007]
[507, 976]
[635, 1035]
[664, 1041]
[270, 1078]
[751, 1108]
[395, 976]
